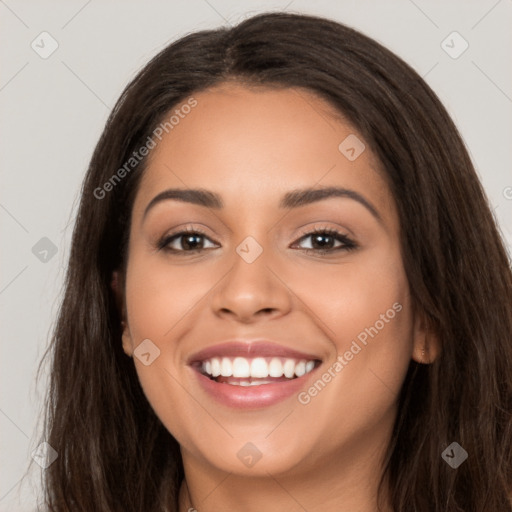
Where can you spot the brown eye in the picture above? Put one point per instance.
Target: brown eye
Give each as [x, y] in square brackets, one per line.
[184, 241]
[325, 240]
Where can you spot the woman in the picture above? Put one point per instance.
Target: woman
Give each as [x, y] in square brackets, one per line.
[286, 291]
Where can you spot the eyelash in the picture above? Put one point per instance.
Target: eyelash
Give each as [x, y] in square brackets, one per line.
[348, 244]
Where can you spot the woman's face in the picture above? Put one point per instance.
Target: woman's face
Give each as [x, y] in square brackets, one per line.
[312, 333]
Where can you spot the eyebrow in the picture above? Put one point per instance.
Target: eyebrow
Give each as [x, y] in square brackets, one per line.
[293, 199]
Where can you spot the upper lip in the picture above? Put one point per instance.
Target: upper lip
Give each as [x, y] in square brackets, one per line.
[249, 348]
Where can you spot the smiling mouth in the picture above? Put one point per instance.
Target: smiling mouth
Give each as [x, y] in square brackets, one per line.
[256, 371]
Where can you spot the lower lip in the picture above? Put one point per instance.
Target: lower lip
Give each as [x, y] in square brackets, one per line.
[252, 397]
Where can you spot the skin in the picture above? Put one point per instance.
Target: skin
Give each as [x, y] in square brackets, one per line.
[251, 146]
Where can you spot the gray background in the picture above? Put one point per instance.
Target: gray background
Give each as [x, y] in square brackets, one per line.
[54, 109]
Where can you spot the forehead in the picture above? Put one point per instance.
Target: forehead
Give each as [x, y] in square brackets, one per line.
[257, 142]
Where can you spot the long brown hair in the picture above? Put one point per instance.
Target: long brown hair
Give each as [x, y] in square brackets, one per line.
[116, 455]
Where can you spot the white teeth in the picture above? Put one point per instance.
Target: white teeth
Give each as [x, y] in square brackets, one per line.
[226, 369]
[259, 368]
[241, 367]
[275, 368]
[289, 368]
[249, 383]
[215, 367]
[260, 382]
[256, 368]
[300, 368]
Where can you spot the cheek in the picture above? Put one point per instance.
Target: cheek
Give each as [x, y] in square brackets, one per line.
[163, 304]
[351, 296]
[159, 297]
[365, 310]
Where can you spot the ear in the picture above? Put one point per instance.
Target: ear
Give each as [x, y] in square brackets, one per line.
[427, 346]
[117, 286]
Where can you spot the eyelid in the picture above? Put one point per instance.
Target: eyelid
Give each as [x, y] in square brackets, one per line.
[163, 241]
[347, 243]
[319, 226]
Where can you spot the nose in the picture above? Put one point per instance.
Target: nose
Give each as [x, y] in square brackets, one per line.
[251, 291]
